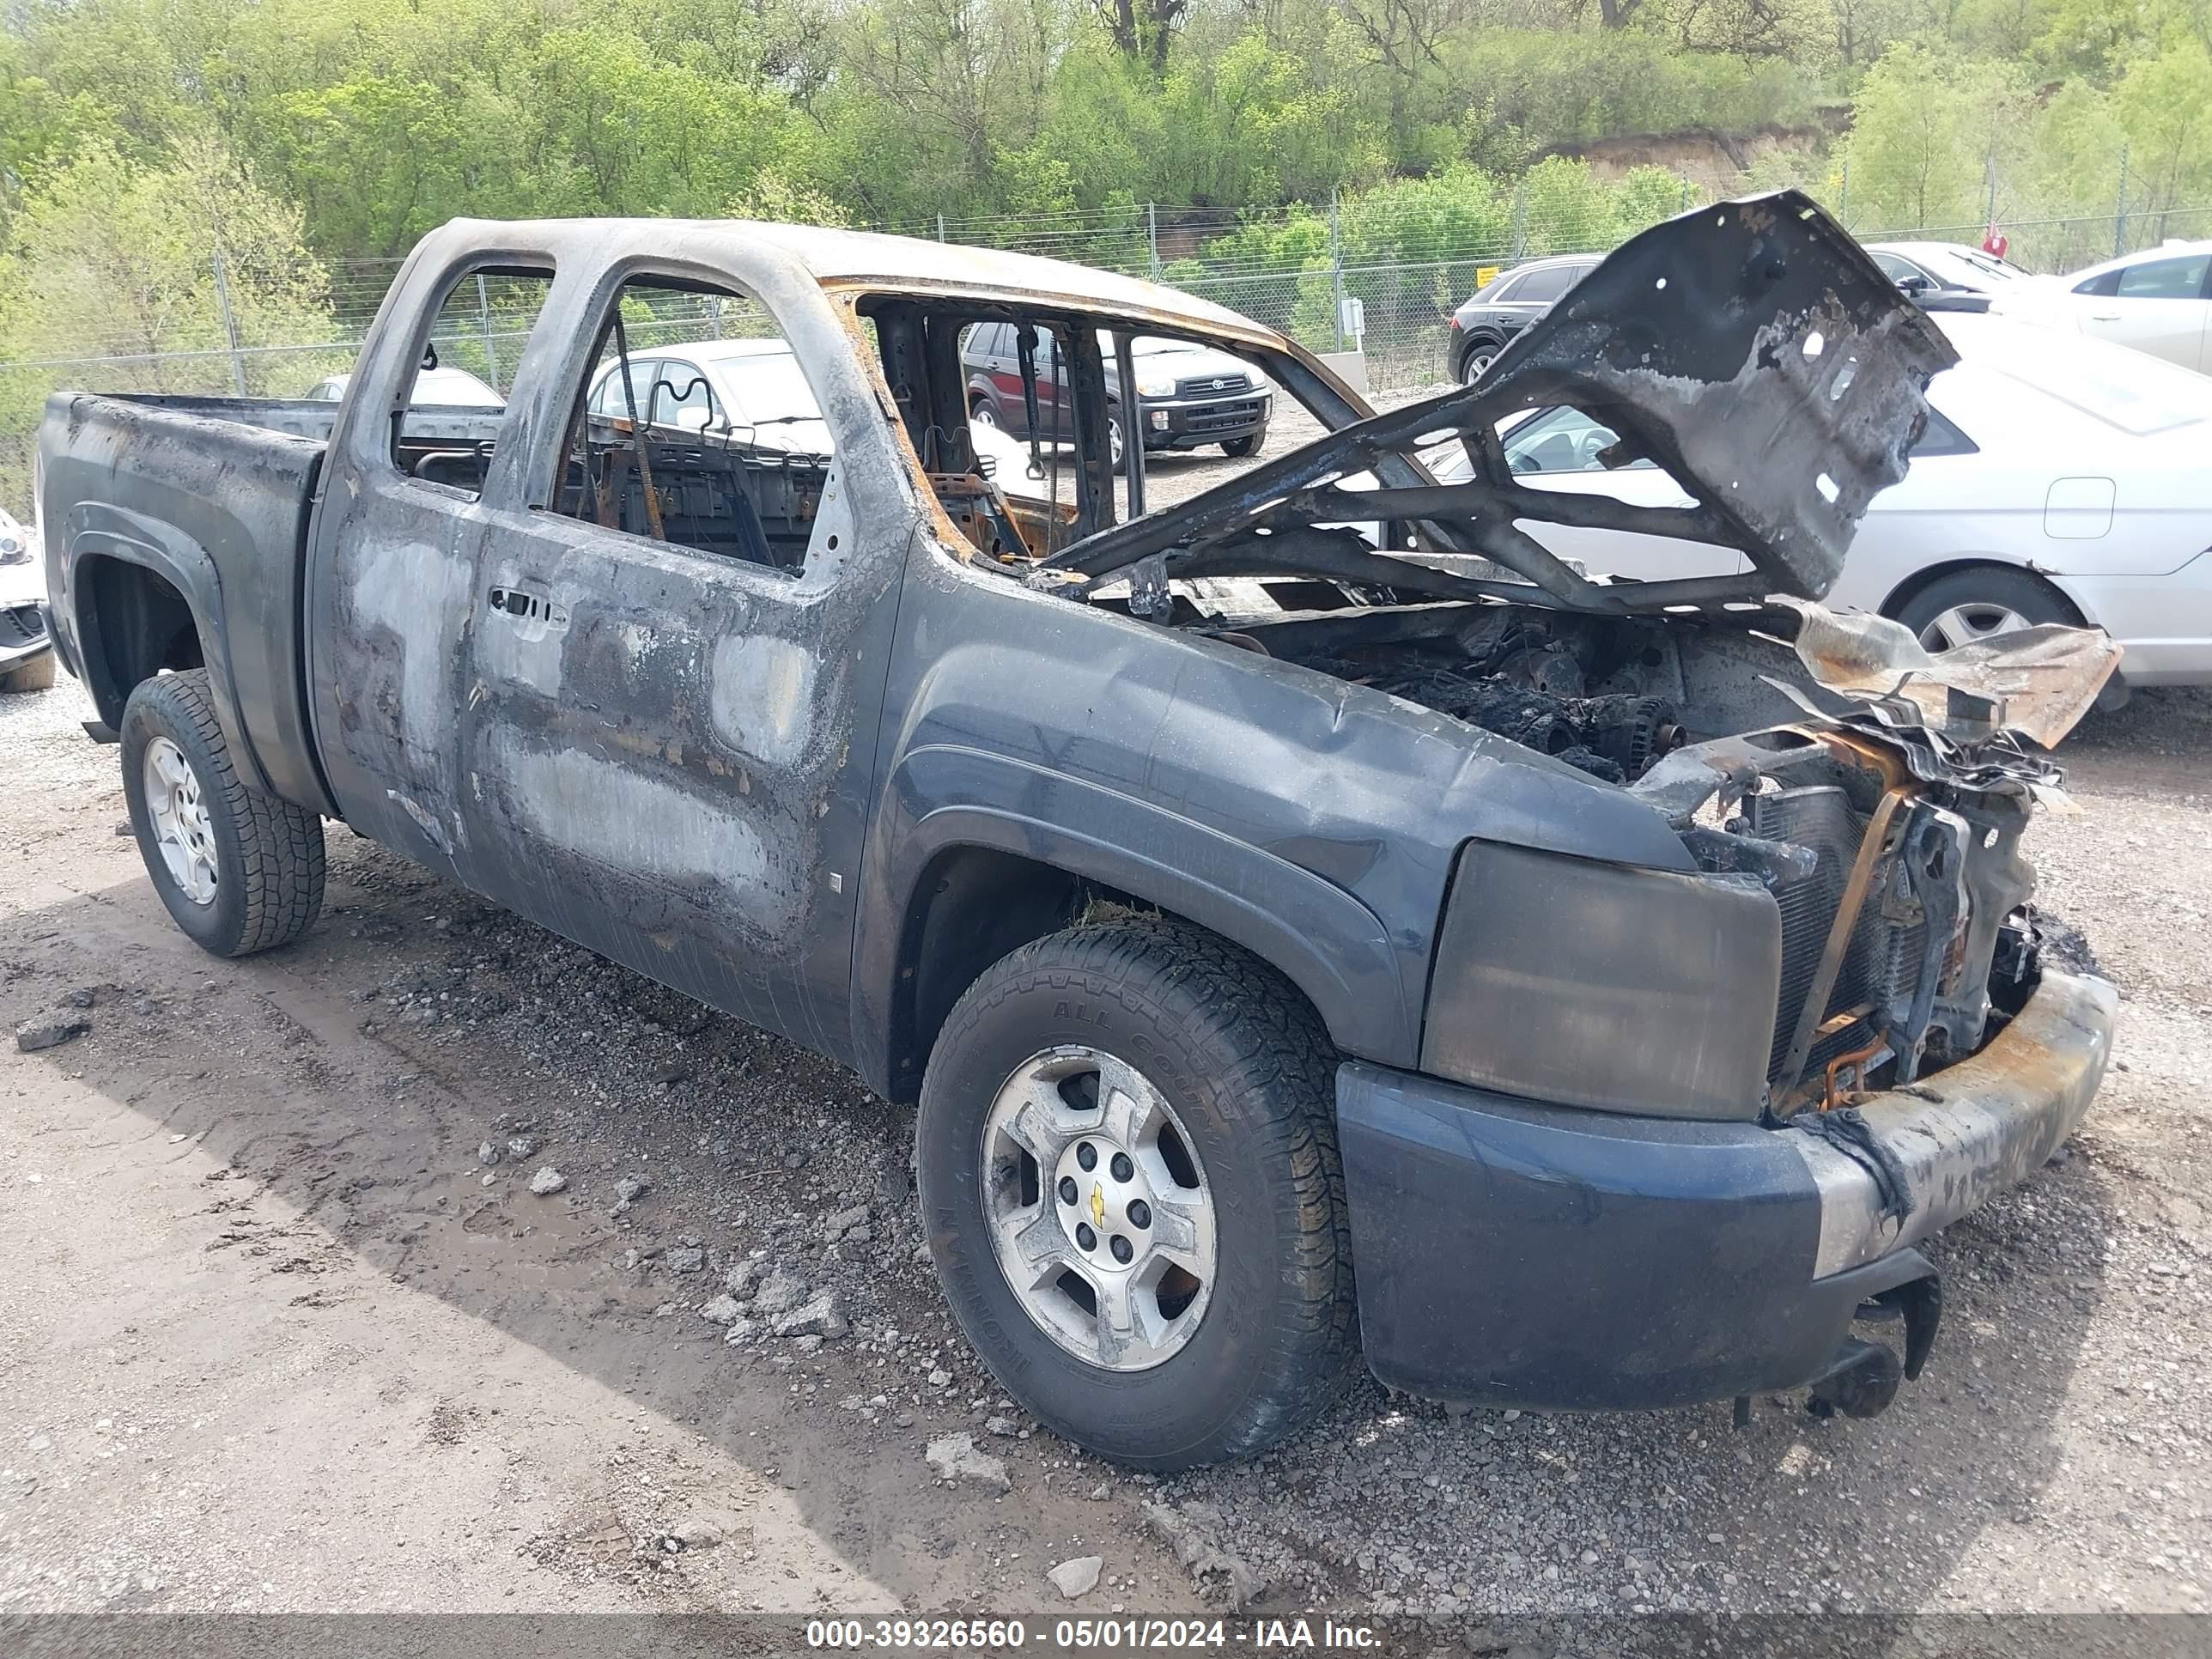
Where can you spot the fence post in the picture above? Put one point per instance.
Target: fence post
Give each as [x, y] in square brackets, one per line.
[229, 323]
[1520, 216]
[484, 326]
[1844, 201]
[2120, 207]
[1152, 235]
[1336, 267]
[940, 227]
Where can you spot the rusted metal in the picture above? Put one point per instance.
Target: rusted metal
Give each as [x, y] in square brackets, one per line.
[1854, 1063]
[1871, 848]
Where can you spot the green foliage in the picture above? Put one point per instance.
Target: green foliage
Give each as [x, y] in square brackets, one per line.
[1533, 91]
[1927, 127]
[113, 259]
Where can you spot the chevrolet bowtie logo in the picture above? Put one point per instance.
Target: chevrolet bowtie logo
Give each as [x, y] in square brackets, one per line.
[1097, 1205]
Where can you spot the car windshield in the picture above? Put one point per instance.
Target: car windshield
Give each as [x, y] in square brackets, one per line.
[770, 387]
[1984, 264]
[1145, 345]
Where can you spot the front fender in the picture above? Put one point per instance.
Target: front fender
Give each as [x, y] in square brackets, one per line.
[1329, 944]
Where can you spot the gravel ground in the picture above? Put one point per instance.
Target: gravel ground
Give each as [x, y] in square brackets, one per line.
[278, 1333]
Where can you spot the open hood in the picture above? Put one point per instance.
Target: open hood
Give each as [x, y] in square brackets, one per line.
[1752, 348]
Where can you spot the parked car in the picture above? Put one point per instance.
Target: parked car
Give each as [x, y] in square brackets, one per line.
[1223, 882]
[26, 660]
[434, 388]
[1505, 305]
[1929, 267]
[2059, 479]
[750, 388]
[2158, 301]
[1187, 395]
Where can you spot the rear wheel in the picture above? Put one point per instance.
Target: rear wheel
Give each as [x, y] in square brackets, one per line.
[35, 675]
[1127, 1164]
[1980, 603]
[237, 871]
[1480, 357]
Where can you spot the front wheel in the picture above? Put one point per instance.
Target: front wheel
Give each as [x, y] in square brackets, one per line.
[1247, 445]
[237, 871]
[983, 414]
[1127, 1166]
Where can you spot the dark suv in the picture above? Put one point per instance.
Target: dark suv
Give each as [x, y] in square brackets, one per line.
[1187, 395]
[1505, 305]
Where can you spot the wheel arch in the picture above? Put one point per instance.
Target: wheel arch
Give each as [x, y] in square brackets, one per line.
[1916, 582]
[991, 882]
[1482, 334]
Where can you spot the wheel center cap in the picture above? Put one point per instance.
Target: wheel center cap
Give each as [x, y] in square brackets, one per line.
[1108, 1199]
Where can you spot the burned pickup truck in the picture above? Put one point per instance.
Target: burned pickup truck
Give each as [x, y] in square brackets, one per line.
[1310, 917]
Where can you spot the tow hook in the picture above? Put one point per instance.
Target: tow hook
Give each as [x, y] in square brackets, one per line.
[1862, 1380]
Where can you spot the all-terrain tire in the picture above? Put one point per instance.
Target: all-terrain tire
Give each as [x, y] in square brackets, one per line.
[268, 853]
[1247, 1067]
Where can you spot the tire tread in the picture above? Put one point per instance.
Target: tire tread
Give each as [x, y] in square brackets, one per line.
[1269, 1046]
[280, 845]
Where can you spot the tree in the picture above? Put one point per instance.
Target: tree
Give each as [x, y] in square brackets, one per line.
[1927, 129]
[118, 260]
[1142, 29]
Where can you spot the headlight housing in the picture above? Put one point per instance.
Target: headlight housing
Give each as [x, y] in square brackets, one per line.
[1578, 983]
[1151, 383]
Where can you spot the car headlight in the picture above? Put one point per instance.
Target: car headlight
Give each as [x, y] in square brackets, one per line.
[13, 551]
[1155, 385]
[1578, 983]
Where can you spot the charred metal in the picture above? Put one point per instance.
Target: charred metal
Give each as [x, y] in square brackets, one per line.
[1685, 924]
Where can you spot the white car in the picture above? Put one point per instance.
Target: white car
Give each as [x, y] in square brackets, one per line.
[434, 388]
[1918, 267]
[2059, 480]
[2159, 300]
[27, 650]
[751, 389]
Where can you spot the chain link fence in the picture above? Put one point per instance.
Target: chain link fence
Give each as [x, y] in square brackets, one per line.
[1333, 283]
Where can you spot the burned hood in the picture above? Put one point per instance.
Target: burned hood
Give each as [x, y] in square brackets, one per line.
[1752, 348]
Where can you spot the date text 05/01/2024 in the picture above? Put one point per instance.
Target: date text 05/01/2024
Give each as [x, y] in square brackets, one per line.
[1117, 1634]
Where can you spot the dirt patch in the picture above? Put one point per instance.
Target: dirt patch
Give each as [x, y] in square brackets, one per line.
[264, 1277]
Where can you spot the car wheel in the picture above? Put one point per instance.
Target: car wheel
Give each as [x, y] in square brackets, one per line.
[1239, 447]
[1127, 1159]
[1113, 438]
[983, 414]
[35, 675]
[237, 871]
[1980, 604]
[1477, 362]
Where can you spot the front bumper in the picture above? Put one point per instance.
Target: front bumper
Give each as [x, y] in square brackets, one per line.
[1514, 1254]
[23, 635]
[1171, 423]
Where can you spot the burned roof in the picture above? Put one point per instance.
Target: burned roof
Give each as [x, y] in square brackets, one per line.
[876, 262]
